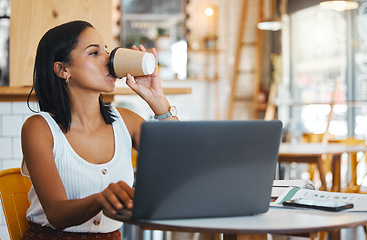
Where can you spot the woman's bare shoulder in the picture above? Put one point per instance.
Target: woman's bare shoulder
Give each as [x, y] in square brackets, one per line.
[35, 120]
[133, 123]
[36, 125]
[127, 114]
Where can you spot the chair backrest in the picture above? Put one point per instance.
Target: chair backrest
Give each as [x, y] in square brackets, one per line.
[351, 141]
[14, 188]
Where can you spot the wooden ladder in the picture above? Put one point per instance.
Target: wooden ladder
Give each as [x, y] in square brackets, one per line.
[240, 60]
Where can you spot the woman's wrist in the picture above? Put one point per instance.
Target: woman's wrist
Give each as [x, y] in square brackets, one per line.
[160, 106]
[171, 113]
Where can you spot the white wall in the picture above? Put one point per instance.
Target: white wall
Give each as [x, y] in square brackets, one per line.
[12, 117]
[199, 105]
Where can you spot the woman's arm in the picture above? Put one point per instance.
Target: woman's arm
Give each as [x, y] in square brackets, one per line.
[149, 88]
[133, 123]
[37, 144]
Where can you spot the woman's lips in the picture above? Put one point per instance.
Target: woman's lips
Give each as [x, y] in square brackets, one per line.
[110, 76]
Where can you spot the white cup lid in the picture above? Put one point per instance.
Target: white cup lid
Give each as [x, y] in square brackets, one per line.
[148, 63]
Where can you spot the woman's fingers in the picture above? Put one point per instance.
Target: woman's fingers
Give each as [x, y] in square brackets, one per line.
[131, 82]
[117, 196]
[129, 190]
[125, 193]
[109, 201]
[142, 48]
[106, 205]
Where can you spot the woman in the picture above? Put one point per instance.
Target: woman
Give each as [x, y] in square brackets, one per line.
[77, 149]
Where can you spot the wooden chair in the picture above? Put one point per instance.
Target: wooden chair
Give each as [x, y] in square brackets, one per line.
[271, 106]
[352, 186]
[14, 188]
[134, 157]
[325, 161]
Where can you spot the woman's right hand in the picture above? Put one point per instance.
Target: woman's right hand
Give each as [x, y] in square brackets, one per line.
[116, 197]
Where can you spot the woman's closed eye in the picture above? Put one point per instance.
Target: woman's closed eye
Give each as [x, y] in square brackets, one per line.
[94, 53]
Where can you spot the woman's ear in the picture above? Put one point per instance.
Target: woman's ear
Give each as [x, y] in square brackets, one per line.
[60, 70]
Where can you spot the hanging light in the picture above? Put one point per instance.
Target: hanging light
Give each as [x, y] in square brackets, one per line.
[339, 5]
[274, 23]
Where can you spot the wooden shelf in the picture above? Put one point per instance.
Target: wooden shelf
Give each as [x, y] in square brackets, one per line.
[20, 94]
[167, 91]
[348, 103]
[205, 50]
[204, 79]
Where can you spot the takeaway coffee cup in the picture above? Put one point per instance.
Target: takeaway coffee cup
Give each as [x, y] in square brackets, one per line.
[136, 63]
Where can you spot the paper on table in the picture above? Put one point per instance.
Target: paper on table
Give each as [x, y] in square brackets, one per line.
[279, 186]
[308, 184]
[359, 200]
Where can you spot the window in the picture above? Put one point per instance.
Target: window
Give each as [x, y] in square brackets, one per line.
[159, 24]
[319, 62]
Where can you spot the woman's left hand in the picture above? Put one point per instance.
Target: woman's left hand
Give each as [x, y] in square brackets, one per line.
[149, 87]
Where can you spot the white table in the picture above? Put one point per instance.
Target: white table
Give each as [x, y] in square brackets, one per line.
[277, 220]
[313, 152]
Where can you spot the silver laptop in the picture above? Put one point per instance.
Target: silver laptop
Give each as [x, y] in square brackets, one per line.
[205, 168]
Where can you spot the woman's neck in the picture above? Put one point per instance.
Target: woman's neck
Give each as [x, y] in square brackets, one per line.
[85, 111]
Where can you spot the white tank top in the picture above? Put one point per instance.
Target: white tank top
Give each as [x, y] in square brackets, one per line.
[82, 179]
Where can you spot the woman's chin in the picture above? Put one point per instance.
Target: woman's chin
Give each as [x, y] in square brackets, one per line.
[111, 88]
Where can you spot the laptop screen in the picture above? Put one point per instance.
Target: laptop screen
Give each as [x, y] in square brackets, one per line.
[205, 168]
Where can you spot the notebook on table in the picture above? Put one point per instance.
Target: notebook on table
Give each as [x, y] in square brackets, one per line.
[205, 168]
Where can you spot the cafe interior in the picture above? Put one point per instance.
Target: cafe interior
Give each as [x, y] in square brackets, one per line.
[298, 61]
